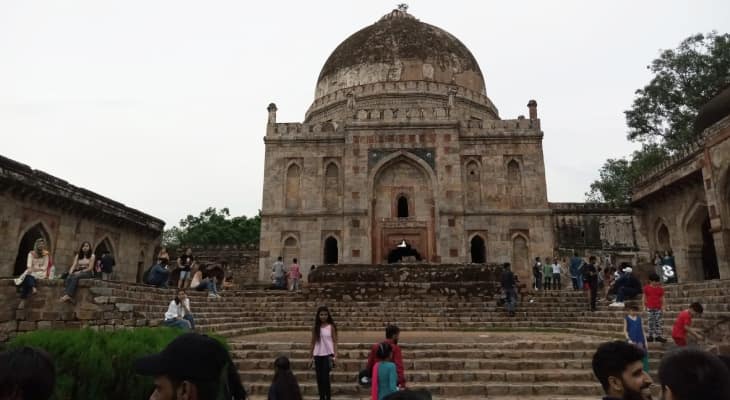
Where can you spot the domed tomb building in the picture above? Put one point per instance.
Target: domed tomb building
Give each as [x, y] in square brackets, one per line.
[403, 157]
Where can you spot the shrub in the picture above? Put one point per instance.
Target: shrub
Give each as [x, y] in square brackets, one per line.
[92, 365]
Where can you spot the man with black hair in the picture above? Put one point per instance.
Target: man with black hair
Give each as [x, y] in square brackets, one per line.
[682, 327]
[618, 366]
[392, 334]
[192, 367]
[26, 373]
[507, 281]
[693, 374]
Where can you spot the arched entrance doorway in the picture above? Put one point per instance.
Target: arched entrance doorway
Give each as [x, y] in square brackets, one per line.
[478, 250]
[701, 254]
[402, 209]
[330, 251]
[26, 245]
[104, 246]
[709, 257]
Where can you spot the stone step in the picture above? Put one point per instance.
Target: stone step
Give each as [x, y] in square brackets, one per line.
[456, 389]
[415, 378]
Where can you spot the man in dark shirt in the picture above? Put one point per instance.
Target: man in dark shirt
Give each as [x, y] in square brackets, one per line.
[618, 366]
[107, 266]
[185, 263]
[590, 281]
[627, 287]
[159, 275]
[508, 288]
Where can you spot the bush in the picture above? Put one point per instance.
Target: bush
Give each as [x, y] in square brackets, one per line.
[92, 365]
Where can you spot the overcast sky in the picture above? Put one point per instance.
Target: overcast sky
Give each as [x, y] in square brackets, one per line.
[161, 105]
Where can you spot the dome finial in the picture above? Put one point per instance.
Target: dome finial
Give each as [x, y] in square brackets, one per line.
[403, 7]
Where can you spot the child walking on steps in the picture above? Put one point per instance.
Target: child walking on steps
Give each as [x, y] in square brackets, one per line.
[634, 332]
[654, 304]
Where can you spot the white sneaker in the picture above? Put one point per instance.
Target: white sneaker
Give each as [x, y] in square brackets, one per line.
[616, 304]
[212, 296]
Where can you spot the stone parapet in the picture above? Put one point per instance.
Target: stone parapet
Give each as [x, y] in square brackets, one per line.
[21, 179]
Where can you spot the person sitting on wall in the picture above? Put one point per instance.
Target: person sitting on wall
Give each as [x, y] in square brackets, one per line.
[82, 268]
[200, 283]
[39, 266]
[159, 275]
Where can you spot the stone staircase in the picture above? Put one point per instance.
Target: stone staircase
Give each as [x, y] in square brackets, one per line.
[457, 349]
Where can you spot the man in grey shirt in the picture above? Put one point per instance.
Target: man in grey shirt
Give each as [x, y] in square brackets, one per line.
[278, 272]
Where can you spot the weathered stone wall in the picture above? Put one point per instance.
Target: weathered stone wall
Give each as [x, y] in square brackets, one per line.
[686, 196]
[237, 261]
[401, 281]
[596, 229]
[94, 308]
[35, 203]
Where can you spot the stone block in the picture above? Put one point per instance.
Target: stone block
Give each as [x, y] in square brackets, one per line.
[25, 326]
[45, 325]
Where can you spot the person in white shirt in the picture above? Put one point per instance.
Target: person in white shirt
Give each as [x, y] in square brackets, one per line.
[178, 313]
[557, 272]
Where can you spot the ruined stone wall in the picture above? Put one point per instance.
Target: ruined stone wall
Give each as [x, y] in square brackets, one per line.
[237, 261]
[95, 308]
[594, 229]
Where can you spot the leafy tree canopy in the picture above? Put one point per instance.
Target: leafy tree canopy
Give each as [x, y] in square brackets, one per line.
[663, 113]
[214, 227]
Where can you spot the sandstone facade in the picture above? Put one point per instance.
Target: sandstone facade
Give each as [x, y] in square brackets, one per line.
[685, 203]
[34, 204]
[402, 146]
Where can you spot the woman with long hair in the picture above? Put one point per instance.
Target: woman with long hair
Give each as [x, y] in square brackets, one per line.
[285, 385]
[38, 266]
[385, 377]
[81, 268]
[324, 350]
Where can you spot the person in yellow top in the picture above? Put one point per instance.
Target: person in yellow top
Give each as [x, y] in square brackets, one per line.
[38, 267]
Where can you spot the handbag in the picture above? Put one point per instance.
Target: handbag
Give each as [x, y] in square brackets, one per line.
[19, 280]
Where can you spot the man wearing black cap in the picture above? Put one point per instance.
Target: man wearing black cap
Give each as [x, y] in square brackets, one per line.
[192, 367]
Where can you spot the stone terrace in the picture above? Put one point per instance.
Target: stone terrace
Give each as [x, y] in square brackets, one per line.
[459, 348]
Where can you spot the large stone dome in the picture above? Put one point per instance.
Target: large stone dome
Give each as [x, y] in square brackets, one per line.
[399, 47]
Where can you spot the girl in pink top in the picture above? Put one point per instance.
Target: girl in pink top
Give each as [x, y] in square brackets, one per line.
[324, 350]
[294, 275]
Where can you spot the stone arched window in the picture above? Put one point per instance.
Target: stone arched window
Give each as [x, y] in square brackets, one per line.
[293, 183]
[290, 250]
[402, 206]
[473, 184]
[332, 191]
[662, 239]
[520, 254]
[514, 184]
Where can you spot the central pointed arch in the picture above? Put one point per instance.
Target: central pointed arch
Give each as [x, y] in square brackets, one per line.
[398, 173]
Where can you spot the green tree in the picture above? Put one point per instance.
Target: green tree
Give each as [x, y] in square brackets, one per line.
[214, 227]
[663, 113]
[684, 80]
[617, 175]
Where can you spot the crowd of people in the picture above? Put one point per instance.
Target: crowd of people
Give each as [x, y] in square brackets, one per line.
[283, 277]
